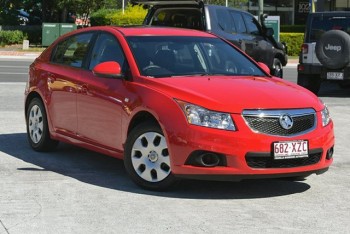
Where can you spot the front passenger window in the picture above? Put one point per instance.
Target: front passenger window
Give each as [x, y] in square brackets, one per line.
[106, 49]
[252, 24]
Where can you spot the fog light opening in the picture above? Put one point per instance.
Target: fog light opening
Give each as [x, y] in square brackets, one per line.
[330, 153]
[209, 159]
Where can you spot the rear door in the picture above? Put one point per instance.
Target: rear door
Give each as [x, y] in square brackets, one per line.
[63, 73]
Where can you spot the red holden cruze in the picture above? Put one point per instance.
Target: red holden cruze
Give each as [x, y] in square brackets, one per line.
[174, 103]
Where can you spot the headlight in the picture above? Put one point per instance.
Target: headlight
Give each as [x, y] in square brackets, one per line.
[326, 118]
[200, 116]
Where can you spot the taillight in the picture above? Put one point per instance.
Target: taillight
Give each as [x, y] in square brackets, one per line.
[305, 48]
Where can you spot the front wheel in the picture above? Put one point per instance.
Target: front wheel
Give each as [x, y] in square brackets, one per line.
[37, 127]
[277, 68]
[147, 158]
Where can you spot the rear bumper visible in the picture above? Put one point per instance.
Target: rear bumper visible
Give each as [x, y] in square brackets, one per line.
[321, 71]
[309, 69]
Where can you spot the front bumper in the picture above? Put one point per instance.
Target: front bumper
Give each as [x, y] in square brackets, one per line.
[236, 148]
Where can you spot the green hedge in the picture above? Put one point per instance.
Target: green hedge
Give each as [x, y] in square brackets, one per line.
[11, 37]
[293, 28]
[133, 15]
[102, 17]
[293, 41]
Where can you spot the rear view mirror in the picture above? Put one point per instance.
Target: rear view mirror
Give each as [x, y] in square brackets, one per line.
[108, 69]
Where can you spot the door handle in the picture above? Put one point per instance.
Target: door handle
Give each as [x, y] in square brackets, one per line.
[51, 79]
[83, 88]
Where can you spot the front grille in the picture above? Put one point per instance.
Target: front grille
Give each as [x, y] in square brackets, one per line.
[268, 122]
[269, 162]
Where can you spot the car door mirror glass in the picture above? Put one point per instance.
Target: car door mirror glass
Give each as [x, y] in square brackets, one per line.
[264, 67]
[109, 69]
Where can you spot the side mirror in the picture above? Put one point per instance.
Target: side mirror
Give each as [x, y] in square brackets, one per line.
[269, 32]
[108, 69]
[264, 67]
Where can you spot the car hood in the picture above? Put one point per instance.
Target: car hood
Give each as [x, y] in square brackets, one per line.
[235, 94]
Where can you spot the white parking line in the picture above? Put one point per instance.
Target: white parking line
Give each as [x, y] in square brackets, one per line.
[13, 73]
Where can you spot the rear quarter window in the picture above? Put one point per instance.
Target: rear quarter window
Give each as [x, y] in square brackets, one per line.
[178, 17]
[72, 51]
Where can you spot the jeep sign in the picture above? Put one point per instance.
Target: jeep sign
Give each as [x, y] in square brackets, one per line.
[332, 47]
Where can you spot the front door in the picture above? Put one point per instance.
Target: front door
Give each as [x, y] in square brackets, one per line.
[100, 100]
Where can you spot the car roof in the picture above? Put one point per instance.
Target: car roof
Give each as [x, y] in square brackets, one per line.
[157, 31]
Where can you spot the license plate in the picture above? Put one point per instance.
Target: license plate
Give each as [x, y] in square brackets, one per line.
[290, 149]
[335, 75]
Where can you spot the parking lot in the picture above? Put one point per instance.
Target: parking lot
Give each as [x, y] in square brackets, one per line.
[73, 190]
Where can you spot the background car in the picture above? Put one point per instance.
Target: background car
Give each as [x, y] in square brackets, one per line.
[239, 27]
[325, 53]
[174, 103]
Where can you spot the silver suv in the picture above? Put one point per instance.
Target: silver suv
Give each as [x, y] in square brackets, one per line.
[325, 54]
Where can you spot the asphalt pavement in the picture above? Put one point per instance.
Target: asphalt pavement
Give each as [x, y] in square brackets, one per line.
[72, 190]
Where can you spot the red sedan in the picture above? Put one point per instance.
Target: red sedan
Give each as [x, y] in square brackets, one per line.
[174, 103]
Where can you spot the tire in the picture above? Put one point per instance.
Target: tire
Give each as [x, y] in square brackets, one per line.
[333, 49]
[37, 128]
[146, 157]
[310, 82]
[277, 68]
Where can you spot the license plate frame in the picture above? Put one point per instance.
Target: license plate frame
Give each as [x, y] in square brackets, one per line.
[335, 75]
[290, 149]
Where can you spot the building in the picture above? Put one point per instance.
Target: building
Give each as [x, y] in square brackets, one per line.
[295, 11]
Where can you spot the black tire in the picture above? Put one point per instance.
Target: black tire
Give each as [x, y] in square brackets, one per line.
[148, 165]
[277, 68]
[310, 82]
[37, 128]
[333, 49]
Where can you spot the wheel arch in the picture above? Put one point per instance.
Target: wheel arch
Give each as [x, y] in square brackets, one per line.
[141, 117]
[29, 98]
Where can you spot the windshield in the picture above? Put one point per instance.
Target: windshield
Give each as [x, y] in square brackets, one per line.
[165, 56]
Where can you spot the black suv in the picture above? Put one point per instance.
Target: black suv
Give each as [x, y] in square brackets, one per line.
[239, 27]
[325, 54]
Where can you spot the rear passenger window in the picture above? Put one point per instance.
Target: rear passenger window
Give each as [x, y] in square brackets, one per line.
[225, 21]
[72, 51]
[238, 22]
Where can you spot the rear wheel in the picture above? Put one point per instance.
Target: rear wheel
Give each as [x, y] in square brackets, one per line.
[147, 158]
[310, 82]
[37, 127]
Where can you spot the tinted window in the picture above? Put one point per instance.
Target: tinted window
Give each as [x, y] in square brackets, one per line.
[181, 18]
[225, 21]
[238, 21]
[106, 49]
[321, 24]
[73, 50]
[164, 56]
[252, 24]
